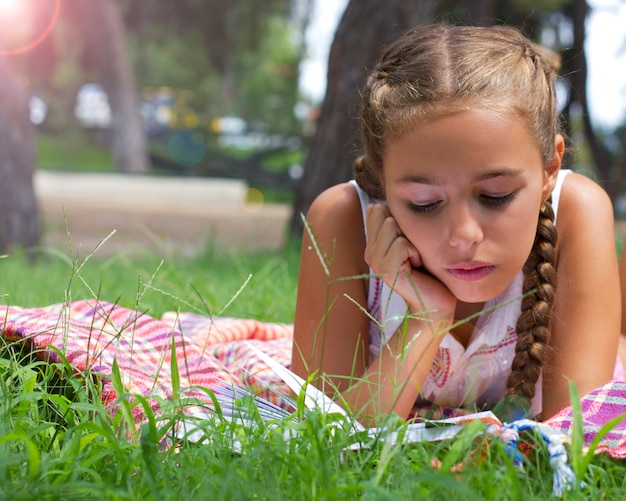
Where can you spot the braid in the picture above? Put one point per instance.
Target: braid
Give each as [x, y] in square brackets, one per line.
[533, 324]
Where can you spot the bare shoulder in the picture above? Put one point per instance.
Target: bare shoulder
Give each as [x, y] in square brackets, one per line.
[341, 202]
[584, 206]
[336, 217]
[335, 220]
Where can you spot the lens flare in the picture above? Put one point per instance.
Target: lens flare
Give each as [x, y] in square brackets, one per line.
[10, 8]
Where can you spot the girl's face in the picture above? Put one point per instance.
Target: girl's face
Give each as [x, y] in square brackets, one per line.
[466, 190]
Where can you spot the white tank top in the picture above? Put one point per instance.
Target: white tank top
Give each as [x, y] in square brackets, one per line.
[460, 376]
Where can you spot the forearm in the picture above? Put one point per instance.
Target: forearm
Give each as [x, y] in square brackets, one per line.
[394, 380]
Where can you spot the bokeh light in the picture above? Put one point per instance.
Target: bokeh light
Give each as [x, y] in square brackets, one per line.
[187, 148]
[252, 200]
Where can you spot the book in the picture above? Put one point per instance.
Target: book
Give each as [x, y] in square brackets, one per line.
[426, 430]
[231, 405]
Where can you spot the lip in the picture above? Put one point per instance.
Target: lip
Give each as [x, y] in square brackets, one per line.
[471, 271]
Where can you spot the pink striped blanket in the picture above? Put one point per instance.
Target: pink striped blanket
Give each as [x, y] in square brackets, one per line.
[92, 334]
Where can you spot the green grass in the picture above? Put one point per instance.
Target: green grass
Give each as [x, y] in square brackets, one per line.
[206, 283]
[74, 152]
[57, 440]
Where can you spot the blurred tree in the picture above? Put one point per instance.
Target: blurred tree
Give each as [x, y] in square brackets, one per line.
[267, 91]
[99, 27]
[19, 217]
[610, 169]
[87, 44]
[366, 26]
[221, 58]
[237, 57]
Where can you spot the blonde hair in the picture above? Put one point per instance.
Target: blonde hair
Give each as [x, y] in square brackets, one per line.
[436, 70]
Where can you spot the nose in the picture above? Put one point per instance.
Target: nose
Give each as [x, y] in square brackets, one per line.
[465, 229]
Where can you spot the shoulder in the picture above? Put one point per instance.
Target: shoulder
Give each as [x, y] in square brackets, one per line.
[586, 234]
[336, 208]
[341, 199]
[335, 222]
[583, 204]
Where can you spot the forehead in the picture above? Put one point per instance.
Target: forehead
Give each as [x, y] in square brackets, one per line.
[404, 120]
[475, 138]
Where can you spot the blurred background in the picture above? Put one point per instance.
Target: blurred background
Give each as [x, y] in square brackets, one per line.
[210, 119]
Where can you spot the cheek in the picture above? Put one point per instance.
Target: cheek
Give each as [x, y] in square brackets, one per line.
[426, 237]
[524, 222]
[515, 239]
[527, 241]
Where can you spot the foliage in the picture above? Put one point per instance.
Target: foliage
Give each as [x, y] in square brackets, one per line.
[206, 52]
[237, 59]
[181, 64]
[269, 80]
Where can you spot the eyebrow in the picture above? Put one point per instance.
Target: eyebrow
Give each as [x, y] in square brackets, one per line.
[435, 180]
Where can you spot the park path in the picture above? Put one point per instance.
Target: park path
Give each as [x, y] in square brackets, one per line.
[162, 214]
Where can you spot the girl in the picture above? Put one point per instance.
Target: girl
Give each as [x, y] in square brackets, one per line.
[431, 278]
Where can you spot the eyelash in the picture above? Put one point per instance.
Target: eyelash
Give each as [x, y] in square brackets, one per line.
[422, 209]
[489, 201]
[502, 201]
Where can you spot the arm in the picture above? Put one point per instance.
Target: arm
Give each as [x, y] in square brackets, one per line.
[331, 334]
[587, 313]
[622, 279]
[331, 331]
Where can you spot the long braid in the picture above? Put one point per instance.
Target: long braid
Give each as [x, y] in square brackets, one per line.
[533, 324]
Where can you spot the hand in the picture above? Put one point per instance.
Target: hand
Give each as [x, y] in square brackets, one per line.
[396, 260]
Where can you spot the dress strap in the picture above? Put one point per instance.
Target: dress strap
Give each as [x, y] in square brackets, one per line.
[365, 200]
[556, 192]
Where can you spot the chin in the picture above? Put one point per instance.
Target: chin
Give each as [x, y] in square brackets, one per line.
[477, 295]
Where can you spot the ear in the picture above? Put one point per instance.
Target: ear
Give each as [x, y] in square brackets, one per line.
[551, 169]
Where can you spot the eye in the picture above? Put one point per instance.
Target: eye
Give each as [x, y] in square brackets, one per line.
[424, 208]
[498, 201]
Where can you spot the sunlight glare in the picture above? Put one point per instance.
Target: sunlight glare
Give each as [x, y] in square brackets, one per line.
[16, 24]
[9, 7]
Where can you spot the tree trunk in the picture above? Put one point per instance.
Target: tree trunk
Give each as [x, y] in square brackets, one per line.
[19, 215]
[365, 28]
[128, 139]
[105, 37]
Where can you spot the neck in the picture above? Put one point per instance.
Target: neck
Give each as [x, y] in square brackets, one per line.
[463, 332]
[465, 310]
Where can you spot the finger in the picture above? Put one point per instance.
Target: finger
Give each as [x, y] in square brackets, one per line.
[375, 216]
[400, 255]
[379, 242]
[415, 259]
[390, 254]
[388, 231]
